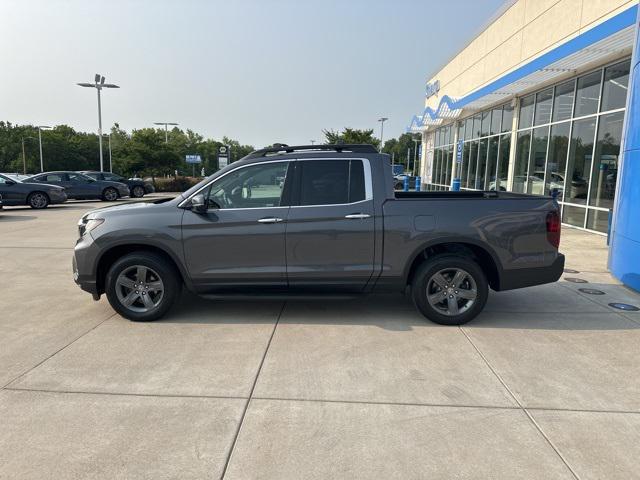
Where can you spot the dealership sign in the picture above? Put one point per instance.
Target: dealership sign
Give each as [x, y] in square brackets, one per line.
[193, 158]
[432, 88]
[223, 156]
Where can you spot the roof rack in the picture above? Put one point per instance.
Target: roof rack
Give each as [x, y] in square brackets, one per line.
[340, 147]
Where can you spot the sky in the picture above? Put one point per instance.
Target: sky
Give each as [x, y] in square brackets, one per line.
[256, 71]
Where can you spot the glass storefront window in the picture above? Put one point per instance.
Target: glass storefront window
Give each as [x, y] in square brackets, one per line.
[507, 118]
[563, 101]
[535, 176]
[598, 220]
[588, 94]
[486, 123]
[573, 215]
[557, 158]
[473, 164]
[496, 116]
[579, 163]
[503, 162]
[477, 125]
[544, 100]
[468, 128]
[464, 166]
[522, 161]
[525, 118]
[447, 177]
[614, 91]
[605, 165]
[492, 163]
[482, 165]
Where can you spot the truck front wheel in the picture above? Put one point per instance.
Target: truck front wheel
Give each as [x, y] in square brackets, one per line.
[142, 286]
[449, 289]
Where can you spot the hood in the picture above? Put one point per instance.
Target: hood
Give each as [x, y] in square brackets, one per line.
[126, 208]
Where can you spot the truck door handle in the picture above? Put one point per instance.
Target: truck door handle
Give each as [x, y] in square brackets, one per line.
[270, 220]
[358, 216]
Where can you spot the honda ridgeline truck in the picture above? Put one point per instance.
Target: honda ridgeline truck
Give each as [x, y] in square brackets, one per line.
[318, 220]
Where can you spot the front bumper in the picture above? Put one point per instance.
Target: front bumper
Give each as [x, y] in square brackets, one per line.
[84, 262]
[528, 277]
[124, 191]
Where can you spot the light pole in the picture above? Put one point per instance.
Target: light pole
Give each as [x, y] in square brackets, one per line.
[313, 142]
[40, 127]
[24, 156]
[99, 85]
[166, 132]
[382, 120]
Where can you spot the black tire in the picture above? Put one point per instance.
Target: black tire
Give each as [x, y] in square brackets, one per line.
[156, 266]
[38, 200]
[109, 194]
[424, 283]
[137, 191]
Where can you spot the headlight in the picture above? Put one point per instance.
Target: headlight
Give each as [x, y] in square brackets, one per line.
[87, 225]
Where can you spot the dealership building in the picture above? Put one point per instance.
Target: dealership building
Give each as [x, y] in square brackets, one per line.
[537, 102]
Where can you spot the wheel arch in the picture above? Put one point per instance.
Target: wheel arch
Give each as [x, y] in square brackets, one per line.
[482, 254]
[110, 256]
[30, 194]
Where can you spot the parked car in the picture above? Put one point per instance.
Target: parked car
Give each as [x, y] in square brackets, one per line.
[137, 186]
[578, 188]
[398, 181]
[335, 226]
[82, 187]
[36, 195]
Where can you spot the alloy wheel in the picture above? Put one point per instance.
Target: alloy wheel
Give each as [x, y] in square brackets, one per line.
[38, 200]
[451, 291]
[139, 288]
[110, 195]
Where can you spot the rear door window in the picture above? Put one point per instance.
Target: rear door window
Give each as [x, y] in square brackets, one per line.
[331, 182]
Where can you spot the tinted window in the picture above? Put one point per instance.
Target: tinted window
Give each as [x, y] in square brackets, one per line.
[112, 177]
[356, 181]
[330, 182]
[93, 175]
[77, 177]
[257, 186]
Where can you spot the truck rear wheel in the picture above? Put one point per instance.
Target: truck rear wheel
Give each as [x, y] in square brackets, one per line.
[142, 286]
[449, 289]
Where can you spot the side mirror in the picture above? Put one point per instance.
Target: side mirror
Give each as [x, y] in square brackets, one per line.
[198, 203]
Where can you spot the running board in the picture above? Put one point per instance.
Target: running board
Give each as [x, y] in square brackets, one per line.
[282, 296]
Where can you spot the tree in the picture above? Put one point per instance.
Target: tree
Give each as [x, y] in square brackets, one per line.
[398, 148]
[351, 135]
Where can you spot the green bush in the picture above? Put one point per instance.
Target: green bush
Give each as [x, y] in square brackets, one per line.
[174, 184]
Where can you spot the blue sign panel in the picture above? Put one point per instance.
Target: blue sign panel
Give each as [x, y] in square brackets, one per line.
[459, 147]
[193, 158]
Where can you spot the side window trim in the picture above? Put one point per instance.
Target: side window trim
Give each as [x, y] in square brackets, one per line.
[368, 183]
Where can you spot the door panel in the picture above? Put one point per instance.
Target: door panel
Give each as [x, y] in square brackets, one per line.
[240, 243]
[327, 250]
[330, 229]
[233, 248]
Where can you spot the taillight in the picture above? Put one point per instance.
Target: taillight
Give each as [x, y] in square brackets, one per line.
[553, 228]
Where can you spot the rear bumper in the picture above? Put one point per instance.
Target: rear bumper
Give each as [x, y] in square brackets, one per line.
[527, 277]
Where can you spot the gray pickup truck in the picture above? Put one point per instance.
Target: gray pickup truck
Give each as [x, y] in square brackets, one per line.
[318, 220]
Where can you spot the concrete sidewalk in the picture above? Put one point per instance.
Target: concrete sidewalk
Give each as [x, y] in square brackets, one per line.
[544, 384]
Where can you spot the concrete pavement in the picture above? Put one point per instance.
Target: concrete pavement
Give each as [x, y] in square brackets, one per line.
[544, 384]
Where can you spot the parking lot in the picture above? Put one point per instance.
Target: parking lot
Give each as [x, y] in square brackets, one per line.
[544, 384]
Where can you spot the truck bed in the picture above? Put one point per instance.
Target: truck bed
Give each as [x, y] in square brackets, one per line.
[464, 194]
